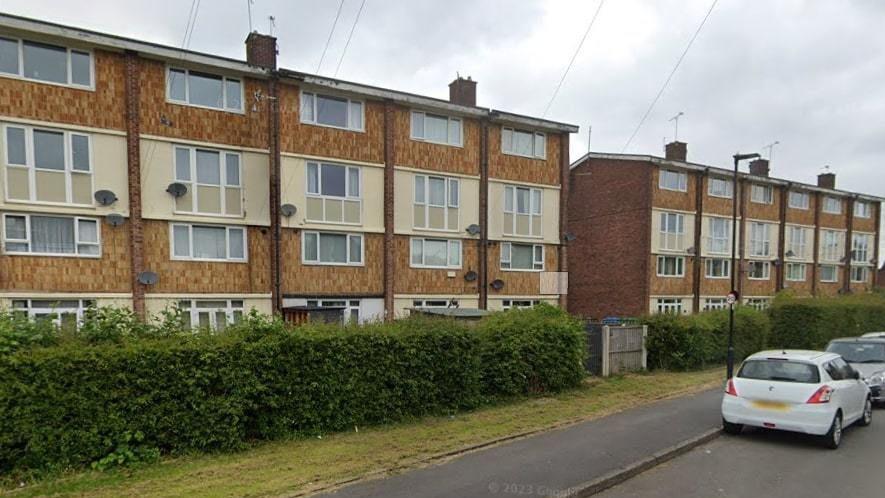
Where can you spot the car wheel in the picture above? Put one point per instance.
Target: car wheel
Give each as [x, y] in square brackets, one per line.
[732, 429]
[867, 413]
[834, 437]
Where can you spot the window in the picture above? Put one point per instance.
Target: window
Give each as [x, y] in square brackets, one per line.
[334, 193]
[762, 194]
[524, 143]
[797, 242]
[336, 112]
[522, 256]
[208, 242]
[831, 245]
[65, 314]
[213, 181]
[210, 314]
[832, 205]
[199, 89]
[796, 272]
[672, 231]
[324, 248]
[510, 304]
[829, 273]
[719, 187]
[436, 129]
[780, 370]
[860, 247]
[436, 202]
[670, 306]
[758, 303]
[860, 273]
[51, 235]
[435, 303]
[436, 253]
[350, 307]
[717, 268]
[715, 303]
[863, 209]
[759, 270]
[798, 200]
[46, 63]
[760, 245]
[673, 180]
[48, 166]
[522, 211]
[671, 266]
[719, 240]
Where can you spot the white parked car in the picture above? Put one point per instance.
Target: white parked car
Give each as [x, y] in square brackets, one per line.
[800, 391]
[874, 335]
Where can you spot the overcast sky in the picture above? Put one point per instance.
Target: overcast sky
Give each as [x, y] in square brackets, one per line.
[808, 74]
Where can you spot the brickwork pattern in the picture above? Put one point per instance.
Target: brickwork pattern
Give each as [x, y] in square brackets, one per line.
[410, 280]
[523, 169]
[519, 282]
[436, 157]
[330, 280]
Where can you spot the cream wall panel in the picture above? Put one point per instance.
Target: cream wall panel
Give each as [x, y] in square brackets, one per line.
[100, 301]
[705, 237]
[401, 305]
[156, 304]
[687, 234]
[686, 303]
[294, 191]
[157, 172]
[404, 212]
[549, 213]
[497, 303]
[772, 238]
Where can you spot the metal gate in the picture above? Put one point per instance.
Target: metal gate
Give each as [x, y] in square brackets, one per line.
[593, 362]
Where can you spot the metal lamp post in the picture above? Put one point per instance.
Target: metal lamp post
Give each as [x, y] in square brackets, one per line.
[734, 293]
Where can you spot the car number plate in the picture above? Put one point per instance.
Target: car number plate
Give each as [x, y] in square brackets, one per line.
[771, 405]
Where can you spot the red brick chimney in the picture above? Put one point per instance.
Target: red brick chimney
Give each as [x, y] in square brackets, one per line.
[261, 50]
[827, 180]
[759, 167]
[463, 91]
[676, 151]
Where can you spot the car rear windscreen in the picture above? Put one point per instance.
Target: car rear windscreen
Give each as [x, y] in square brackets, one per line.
[780, 370]
[859, 351]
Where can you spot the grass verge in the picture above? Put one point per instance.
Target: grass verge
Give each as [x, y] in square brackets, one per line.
[302, 466]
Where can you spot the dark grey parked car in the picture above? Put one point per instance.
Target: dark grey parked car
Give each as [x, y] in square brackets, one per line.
[867, 356]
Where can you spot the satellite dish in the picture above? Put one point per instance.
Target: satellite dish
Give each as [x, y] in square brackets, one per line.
[148, 278]
[790, 254]
[470, 276]
[690, 250]
[115, 219]
[288, 210]
[570, 236]
[177, 189]
[497, 284]
[105, 197]
[473, 229]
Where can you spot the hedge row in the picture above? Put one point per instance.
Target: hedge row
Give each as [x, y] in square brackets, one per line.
[76, 402]
[812, 323]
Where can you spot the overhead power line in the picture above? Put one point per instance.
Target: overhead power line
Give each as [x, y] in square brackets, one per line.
[577, 50]
[352, 29]
[329, 39]
[667, 81]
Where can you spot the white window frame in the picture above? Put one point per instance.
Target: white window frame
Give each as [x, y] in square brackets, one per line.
[535, 210]
[33, 311]
[448, 203]
[831, 246]
[860, 247]
[766, 270]
[318, 262]
[760, 248]
[708, 268]
[792, 197]
[535, 135]
[672, 241]
[864, 272]
[680, 266]
[450, 120]
[713, 239]
[187, 90]
[510, 304]
[681, 177]
[20, 75]
[233, 313]
[31, 167]
[350, 105]
[347, 196]
[77, 241]
[667, 305]
[222, 186]
[797, 244]
[715, 303]
[435, 303]
[190, 236]
[452, 246]
[761, 194]
[801, 268]
[505, 259]
[726, 193]
[758, 303]
[863, 209]
[832, 205]
[835, 269]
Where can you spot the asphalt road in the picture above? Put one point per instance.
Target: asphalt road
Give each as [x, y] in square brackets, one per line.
[550, 463]
[770, 464]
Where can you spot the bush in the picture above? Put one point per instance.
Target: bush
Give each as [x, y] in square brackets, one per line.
[811, 323]
[114, 397]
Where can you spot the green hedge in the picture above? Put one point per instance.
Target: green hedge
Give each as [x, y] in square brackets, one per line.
[112, 397]
[812, 323]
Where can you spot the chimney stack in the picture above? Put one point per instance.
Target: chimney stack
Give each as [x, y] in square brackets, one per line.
[261, 50]
[759, 167]
[463, 92]
[827, 180]
[676, 151]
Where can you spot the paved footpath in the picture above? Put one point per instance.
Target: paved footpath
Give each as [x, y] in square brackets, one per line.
[549, 464]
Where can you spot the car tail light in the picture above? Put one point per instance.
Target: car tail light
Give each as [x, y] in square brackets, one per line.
[822, 395]
[729, 388]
